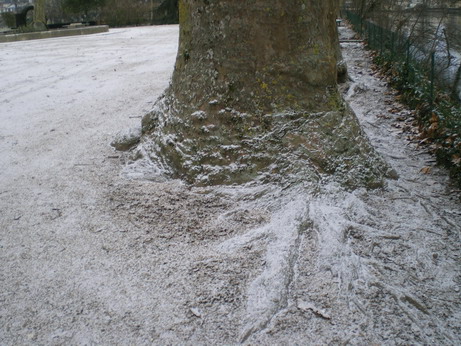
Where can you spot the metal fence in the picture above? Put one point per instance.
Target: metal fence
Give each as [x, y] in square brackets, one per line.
[429, 79]
[422, 66]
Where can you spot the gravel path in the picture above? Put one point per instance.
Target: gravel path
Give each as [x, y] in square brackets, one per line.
[90, 257]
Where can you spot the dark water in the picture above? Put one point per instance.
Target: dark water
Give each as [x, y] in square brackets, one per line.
[430, 30]
[425, 25]
[443, 25]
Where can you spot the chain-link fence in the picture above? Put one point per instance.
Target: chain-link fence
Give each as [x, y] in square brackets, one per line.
[427, 59]
[426, 68]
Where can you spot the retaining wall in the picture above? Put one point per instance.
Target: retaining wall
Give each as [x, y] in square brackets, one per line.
[54, 33]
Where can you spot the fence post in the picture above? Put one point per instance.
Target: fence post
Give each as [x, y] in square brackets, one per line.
[432, 79]
[407, 62]
[370, 35]
[367, 30]
[374, 36]
[392, 45]
[408, 53]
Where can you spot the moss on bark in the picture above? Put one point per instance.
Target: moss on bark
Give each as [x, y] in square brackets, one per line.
[254, 97]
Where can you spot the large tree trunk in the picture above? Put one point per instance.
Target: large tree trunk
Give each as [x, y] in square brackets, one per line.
[256, 57]
[254, 94]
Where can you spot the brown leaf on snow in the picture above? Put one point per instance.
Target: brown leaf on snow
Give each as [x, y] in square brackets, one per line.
[433, 128]
[449, 141]
[456, 159]
[423, 141]
[394, 110]
[304, 306]
[426, 170]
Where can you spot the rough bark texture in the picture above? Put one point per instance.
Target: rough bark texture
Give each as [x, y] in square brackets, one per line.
[262, 56]
[39, 15]
[254, 95]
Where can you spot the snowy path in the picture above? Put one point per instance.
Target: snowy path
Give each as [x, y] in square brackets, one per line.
[88, 257]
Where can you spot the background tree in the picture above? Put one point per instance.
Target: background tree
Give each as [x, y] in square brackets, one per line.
[39, 20]
[166, 13]
[55, 12]
[83, 6]
[254, 96]
[126, 12]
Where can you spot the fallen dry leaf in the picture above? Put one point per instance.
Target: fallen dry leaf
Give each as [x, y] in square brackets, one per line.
[426, 170]
[456, 159]
[434, 118]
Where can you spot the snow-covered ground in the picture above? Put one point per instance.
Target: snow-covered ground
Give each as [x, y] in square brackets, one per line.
[90, 257]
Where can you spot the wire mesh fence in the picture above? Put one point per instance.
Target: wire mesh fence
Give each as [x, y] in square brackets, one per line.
[423, 62]
[427, 72]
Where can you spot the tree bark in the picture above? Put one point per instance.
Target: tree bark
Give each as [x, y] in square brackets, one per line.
[39, 15]
[254, 96]
[269, 49]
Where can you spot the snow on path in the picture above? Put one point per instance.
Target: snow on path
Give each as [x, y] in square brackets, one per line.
[61, 102]
[383, 266]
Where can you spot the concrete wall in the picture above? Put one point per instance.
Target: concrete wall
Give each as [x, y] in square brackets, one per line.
[54, 33]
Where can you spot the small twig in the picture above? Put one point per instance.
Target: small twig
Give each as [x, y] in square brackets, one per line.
[350, 41]
[452, 224]
[395, 157]
[98, 230]
[433, 232]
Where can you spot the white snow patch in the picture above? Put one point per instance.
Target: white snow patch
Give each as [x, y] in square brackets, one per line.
[267, 294]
